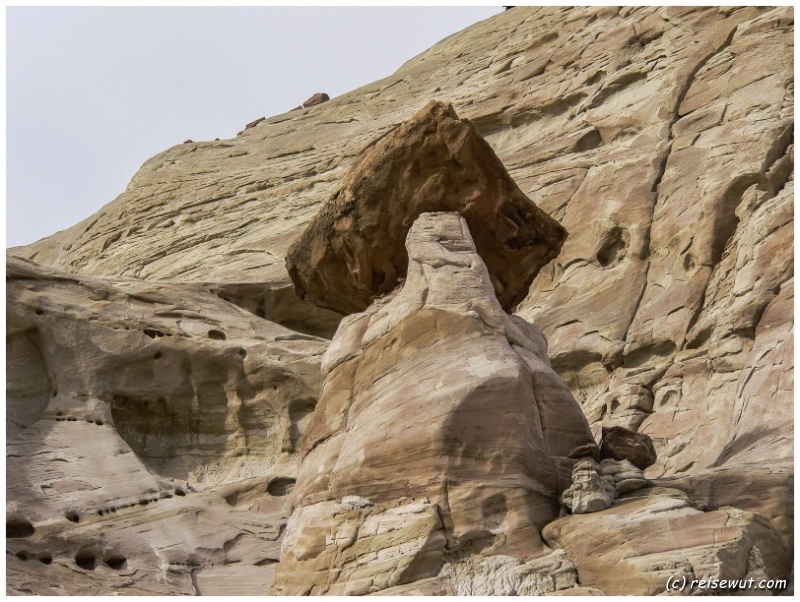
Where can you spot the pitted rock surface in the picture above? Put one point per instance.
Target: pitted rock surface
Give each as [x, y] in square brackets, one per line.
[660, 137]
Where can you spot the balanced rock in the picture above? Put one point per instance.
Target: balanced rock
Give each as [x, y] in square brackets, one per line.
[443, 412]
[353, 250]
[621, 444]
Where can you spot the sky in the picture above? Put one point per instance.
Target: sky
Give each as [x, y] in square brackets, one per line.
[92, 93]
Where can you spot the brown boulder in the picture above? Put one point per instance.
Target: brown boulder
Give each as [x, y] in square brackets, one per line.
[621, 444]
[353, 250]
[317, 99]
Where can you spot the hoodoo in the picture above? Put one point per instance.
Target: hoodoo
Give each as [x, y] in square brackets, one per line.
[353, 251]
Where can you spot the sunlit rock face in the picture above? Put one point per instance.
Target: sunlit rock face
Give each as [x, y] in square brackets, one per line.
[659, 137]
[438, 406]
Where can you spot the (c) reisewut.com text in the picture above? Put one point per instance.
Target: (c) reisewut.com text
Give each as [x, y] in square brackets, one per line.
[683, 583]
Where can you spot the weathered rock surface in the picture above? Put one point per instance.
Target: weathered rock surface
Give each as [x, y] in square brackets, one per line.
[354, 250]
[148, 429]
[439, 406]
[590, 490]
[652, 535]
[660, 137]
[626, 476]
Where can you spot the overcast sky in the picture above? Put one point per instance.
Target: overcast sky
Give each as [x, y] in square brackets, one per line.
[92, 93]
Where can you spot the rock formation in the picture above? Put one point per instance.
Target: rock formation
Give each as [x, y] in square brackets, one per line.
[316, 99]
[619, 443]
[354, 250]
[655, 534]
[590, 491]
[661, 138]
[439, 406]
[147, 431]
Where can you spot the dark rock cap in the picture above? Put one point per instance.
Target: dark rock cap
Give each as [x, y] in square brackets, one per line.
[354, 249]
[317, 99]
[621, 444]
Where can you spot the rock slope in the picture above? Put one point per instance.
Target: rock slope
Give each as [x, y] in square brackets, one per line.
[660, 138]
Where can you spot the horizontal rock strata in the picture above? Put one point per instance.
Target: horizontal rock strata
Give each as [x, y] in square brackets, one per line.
[660, 137]
[149, 430]
[439, 406]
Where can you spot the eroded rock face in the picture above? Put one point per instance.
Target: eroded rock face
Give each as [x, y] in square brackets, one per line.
[354, 249]
[589, 491]
[149, 427]
[653, 535]
[661, 137]
[438, 406]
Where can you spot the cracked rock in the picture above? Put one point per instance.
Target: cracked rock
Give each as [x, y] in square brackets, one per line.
[353, 251]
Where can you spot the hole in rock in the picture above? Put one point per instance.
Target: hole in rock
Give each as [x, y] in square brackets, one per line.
[281, 486]
[73, 517]
[22, 555]
[45, 559]
[217, 335]
[100, 513]
[17, 527]
[494, 510]
[86, 559]
[153, 333]
[300, 411]
[116, 562]
[157, 355]
[39, 312]
[98, 422]
[613, 248]
[589, 141]
[180, 492]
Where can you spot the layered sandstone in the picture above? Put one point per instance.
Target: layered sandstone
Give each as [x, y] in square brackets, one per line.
[661, 138]
[150, 431]
[441, 430]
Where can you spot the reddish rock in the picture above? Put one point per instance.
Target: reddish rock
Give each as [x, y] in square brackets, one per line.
[354, 249]
[317, 99]
[621, 444]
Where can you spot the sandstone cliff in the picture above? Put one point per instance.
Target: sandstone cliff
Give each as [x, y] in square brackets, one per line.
[161, 373]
